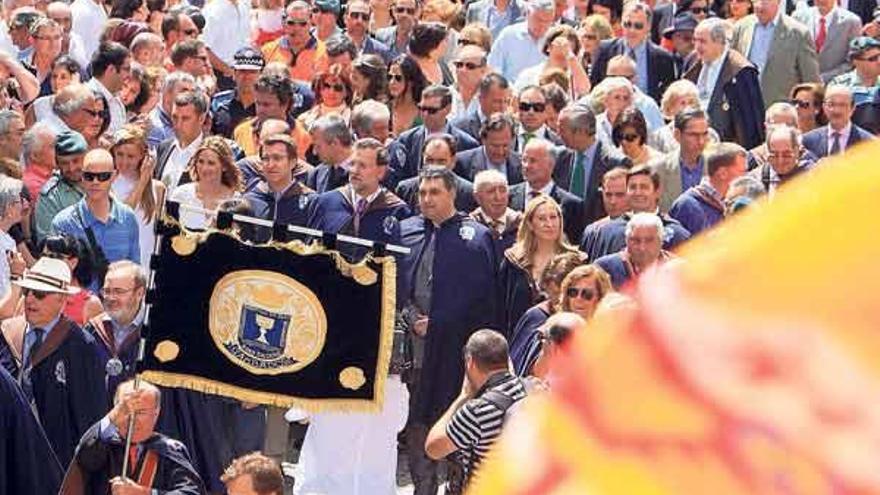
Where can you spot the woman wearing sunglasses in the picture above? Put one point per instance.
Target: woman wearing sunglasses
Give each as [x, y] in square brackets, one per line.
[582, 290]
[540, 238]
[405, 85]
[808, 98]
[333, 96]
[630, 135]
[135, 185]
[592, 29]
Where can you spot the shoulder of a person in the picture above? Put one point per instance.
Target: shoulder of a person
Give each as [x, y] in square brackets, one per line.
[66, 215]
[50, 185]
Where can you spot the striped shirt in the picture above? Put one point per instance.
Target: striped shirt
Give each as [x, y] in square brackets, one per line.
[475, 427]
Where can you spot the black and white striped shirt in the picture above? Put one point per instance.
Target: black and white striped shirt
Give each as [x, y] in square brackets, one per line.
[475, 427]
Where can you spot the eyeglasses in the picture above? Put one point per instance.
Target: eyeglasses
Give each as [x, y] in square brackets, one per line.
[802, 103]
[405, 10]
[532, 107]
[699, 10]
[297, 22]
[116, 291]
[466, 42]
[638, 26]
[585, 294]
[430, 110]
[39, 294]
[339, 88]
[467, 65]
[99, 176]
[630, 137]
[395, 77]
[364, 16]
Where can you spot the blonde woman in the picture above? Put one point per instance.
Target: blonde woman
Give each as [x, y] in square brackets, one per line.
[135, 185]
[582, 290]
[539, 239]
[215, 179]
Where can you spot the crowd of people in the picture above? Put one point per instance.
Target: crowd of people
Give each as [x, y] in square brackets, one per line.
[534, 156]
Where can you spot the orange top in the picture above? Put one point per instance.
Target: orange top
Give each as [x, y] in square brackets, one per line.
[244, 136]
[304, 65]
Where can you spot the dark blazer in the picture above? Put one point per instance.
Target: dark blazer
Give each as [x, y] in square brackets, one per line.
[163, 153]
[661, 65]
[373, 46]
[408, 191]
[470, 123]
[387, 36]
[325, 178]
[572, 209]
[736, 108]
[548, 134]
[662, 19]
[817, 140]
[405, 152]
[469, 163]
[605, 160]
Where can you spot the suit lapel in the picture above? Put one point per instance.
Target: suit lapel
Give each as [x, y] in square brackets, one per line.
[748, 35]
[780, 33]
[724, 76]
[518, 197]
[56, 337]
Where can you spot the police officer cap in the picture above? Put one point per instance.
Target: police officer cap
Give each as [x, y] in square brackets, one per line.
[862, 43]
[70, 143]
[328, 5]
[248, 58]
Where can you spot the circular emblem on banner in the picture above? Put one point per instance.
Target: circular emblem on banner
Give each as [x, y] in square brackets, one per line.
[352, 378]
[266, 322]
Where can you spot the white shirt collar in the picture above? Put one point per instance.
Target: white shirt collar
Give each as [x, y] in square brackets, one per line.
[355, 196]
[192, 146]
[844, 134]
[546, 189]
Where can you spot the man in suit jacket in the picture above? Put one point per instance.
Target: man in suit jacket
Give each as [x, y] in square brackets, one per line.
[863, 9]
[833, 29]
[532, 110]
[840, 133]
[582, 163]
[728, 86]
[439, 152]
[356, 18]
[538, 163]
[406, 151]
[406, 13]
[655, 67]
[662, 19]
[496, 153]
[332, 143]
[770, 39]
[684, 168]
[493, 97]
[173, 154]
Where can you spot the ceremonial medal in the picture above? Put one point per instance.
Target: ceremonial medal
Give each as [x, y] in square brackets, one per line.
[467, 232]
[725, 107]
[114, 367]
[389, 224]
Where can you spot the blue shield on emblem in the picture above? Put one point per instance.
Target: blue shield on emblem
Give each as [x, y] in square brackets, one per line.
[263, 333]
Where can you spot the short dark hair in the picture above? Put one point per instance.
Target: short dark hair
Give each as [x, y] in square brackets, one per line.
[488, 348]
[492, 79]
[683, 118]
[340, 44]
[68, 63]
[438, 90]
[720, 155]
[124, 9]
[645, 170]
[442, 173]
[266, 475]
[171, 22]
[449, 139]
[497, 122]
[278, 85]
[373, 144]
[557, 97]
[284, 139]
[185, 49]
[425, 37]
[631, 117]
[196, 98]
[109, 53]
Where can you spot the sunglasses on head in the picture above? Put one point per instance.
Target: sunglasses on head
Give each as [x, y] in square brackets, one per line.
[364, 16]
[630, 137]
[638, 26]
[532, 107]
[467, 65]
[99, 176]
[297, 22]
[405, 10]
[430, 110]
[37, 293]
[585, 294]
[339, 88]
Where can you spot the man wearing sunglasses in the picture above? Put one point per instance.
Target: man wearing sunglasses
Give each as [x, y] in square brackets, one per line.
[177, 27]
[103, 223]
[357, 20]
[325, 19]
[56, 363]
[299, 49]
[470, 67]
[531, 111]
[644, 248]
[864, 53]
[655, 67]
[406, 13]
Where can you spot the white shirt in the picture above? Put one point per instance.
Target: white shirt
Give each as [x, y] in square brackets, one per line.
[7, 245]
[6, 44]
[227, 27]
[118, 117]
[546, 190]
[178, 161]
[186, 194]
[709, 78]
[88, 22]
[77, 50]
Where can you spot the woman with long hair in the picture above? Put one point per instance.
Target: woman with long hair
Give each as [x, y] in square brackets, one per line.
[405, 85]
[135, 185]
[369, 79]
[427, 45]
[540, 238]
[215, 179]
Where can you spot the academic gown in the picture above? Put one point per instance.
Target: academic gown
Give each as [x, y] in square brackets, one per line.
[101, 329]
[519, 290]
[333, 212]
[27, 464]
[98, 461]
[611, 237]
[524, 335]
[292, 208]
[464, 299]
[67, 377]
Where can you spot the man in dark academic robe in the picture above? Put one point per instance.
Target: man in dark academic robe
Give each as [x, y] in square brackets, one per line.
[447, 290]
[27, 464]
[362, 208]
[643, 193]
[56, 362]
[729, 86]
[439, 152]
[156, 462]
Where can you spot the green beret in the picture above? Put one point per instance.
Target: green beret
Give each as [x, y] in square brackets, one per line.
[328, 5]
[862, 43]
[70, 143]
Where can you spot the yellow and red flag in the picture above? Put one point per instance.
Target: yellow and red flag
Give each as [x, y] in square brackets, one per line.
[751, 367]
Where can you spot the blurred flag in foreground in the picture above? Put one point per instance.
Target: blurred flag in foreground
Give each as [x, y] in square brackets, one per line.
[751, 367]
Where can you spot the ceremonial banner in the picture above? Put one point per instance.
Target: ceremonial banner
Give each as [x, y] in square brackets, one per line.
[280, 324]
[750, 367]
